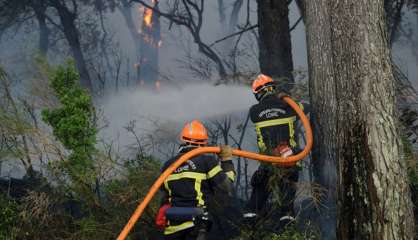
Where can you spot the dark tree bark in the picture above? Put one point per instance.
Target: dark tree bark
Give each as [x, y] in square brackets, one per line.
[353, 96]
[72, 35]
[274, 42]
[126, 10]
[149, 48]
[324, 109]
[39, 7]
[302, 8]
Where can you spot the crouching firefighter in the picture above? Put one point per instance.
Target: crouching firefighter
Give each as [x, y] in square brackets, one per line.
[183, 213]
[274, 122]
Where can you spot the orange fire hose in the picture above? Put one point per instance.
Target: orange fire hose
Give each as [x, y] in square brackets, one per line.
[202, 150]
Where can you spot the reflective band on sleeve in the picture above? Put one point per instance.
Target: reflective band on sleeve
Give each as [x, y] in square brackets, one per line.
[231, 175]
[173, 229]
[214, 171]
[301, 106]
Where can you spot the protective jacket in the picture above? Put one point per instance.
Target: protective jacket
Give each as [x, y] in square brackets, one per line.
[274, 123]
[193, 183]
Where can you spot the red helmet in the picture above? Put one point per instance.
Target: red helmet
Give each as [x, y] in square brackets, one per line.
[260, 83]
[194, 132]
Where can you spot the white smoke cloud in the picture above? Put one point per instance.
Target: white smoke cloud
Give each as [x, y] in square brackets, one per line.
[164, 113]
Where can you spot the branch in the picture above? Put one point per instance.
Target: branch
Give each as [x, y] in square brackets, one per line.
[172, 17]
[296, 24]
[234, 34]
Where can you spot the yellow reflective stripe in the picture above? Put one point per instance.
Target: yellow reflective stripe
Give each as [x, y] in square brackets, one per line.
[292, 141]
[214, 171]
[231, 175]
[168, 189]
[290, 121]
[193, 175]
[173, 229]
[198, 177]
[199, 193]
[275, 122]
[260, 142]
[301, 106]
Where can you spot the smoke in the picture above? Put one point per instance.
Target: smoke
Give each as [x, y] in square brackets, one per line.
[165, 112]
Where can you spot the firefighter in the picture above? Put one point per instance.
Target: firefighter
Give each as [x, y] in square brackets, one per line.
[183, 214]
[274, 122]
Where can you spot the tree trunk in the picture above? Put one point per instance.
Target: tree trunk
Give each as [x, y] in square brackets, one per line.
[126, 10]
[149, 48]
[39, 8]
[323, 113]
[72, 35]
[274, 43]
[353, 96]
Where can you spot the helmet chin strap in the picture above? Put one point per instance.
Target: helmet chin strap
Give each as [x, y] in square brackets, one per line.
[264, 95]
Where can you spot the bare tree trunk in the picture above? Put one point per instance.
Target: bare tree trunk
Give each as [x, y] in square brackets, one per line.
[302, 8]
[39, 8]
[274, 43]
[126, 10]
[149, 47]
[72, 35]
[323, 113]
[353, 95]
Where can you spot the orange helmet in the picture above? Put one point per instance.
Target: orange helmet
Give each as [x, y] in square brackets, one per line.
[194, 132]
[260, 83]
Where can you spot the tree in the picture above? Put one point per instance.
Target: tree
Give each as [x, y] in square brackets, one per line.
[353, 105]
[73, 123]
[189, 14]
[68, 22]
[15, 13]
[275, 45]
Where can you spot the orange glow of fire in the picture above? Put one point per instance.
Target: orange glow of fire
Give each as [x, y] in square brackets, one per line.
[148, 17]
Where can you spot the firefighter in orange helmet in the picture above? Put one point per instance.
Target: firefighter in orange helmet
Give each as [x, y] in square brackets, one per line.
[184, 214]
[274, 122]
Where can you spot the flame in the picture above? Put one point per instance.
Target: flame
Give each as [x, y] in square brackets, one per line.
[136, 65]
[148, 17]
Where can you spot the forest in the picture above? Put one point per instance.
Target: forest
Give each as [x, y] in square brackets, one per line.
[95, 93]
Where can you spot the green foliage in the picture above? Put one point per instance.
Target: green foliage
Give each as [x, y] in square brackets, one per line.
[9, 218]
[73, 121]
[290, 233]
[124, 194]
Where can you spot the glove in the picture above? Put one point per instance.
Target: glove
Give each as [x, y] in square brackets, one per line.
[226, 153]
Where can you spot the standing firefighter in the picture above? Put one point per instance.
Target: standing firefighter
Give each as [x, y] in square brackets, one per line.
[183, 214]
[274, 123]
